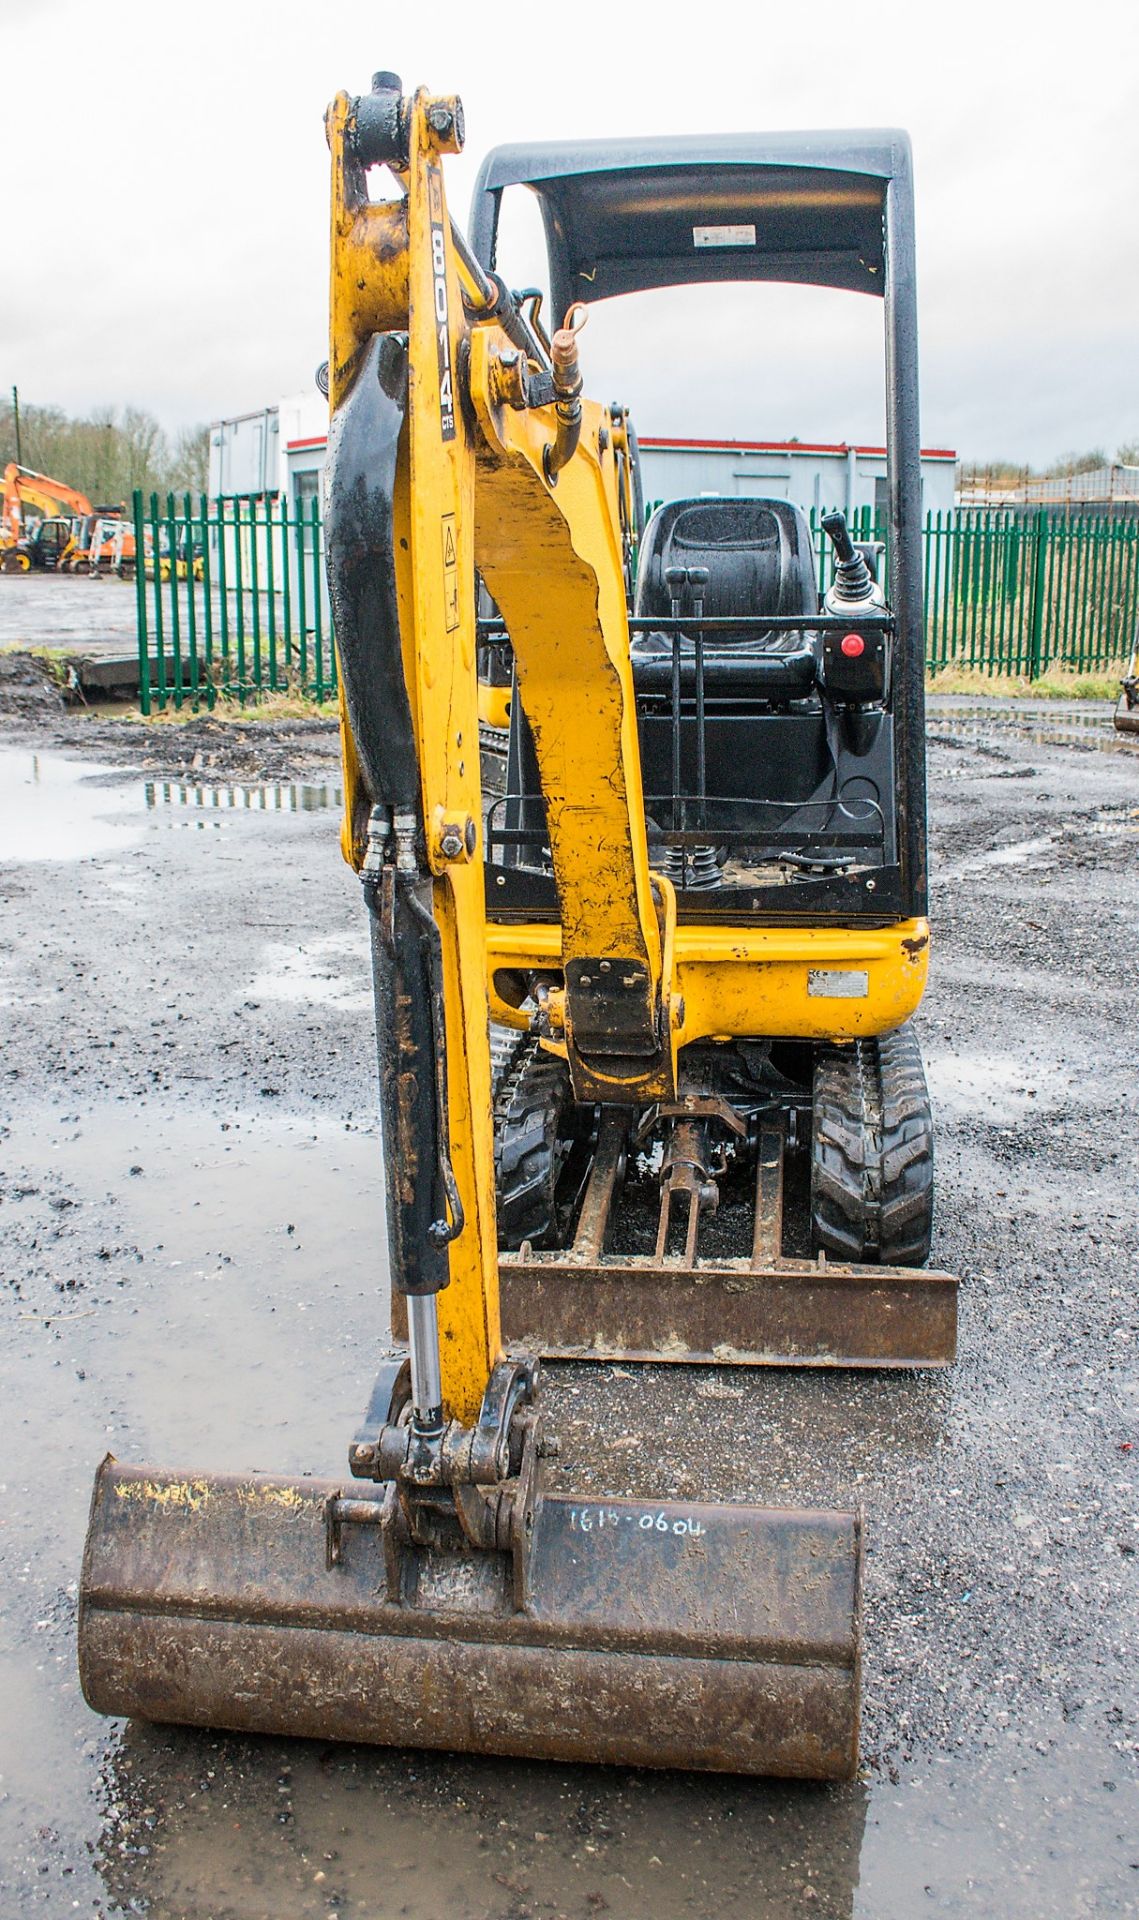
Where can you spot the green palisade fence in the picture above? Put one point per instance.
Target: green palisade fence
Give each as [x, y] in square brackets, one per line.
[231, 599]
[1018, 592]
[231, 596]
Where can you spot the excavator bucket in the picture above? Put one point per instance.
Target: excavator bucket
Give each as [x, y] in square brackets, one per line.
[710, 1636]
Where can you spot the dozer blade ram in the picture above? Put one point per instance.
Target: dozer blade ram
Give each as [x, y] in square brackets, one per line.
[696, 914]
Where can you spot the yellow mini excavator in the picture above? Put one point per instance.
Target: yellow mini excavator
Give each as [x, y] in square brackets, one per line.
[673, 958]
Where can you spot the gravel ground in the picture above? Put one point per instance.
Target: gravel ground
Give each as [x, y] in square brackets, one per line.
[189, 1217]
[90, 613]
[198, 747]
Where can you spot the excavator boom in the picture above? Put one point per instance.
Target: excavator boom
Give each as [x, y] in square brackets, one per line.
[23, 487]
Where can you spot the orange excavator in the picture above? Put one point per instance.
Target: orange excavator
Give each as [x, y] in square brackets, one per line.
[48, 544]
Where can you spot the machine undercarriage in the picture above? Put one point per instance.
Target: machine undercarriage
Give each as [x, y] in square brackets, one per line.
[730, 1222]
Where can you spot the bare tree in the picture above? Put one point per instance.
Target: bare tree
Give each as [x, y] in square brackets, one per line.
[106, 453]
[190, 465]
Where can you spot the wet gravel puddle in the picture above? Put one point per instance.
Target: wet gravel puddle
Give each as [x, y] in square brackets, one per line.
[1084, 724]
[56, 809]
[221, 1327]
[209, 1292]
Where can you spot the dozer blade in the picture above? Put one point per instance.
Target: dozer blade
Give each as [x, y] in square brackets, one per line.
[699, 1636]
[586, 1303]
[803, 1313]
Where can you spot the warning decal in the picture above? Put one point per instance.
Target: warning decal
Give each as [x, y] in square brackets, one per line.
[450, 574]
[838, 983]
[741, 236]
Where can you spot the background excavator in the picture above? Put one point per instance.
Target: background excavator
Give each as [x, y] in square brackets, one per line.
[48, 543]
[104, 542]
[697, 917]
[85, 540]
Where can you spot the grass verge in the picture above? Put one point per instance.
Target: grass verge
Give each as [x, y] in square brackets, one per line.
[1057, 684]
[269, 710]
[55, 661]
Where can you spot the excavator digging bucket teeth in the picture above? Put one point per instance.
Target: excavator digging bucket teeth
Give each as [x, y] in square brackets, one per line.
[721, 1637]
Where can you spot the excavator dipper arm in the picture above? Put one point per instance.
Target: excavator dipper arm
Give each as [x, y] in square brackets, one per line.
[439, 464]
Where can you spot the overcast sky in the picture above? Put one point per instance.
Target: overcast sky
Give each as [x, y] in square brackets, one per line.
[165, 200]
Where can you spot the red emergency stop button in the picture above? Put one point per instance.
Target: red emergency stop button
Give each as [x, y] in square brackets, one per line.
[852, 645]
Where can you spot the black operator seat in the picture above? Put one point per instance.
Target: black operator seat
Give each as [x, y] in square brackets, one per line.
[760, 562]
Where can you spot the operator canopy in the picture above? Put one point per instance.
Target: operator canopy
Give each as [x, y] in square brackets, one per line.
[625, 215]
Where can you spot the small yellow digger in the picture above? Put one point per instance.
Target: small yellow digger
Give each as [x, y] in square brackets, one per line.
[674, 958]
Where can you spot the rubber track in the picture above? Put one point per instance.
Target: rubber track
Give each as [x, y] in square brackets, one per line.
[530, 1100]
[872, 1152]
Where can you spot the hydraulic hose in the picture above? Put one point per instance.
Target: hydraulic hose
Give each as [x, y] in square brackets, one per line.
[567, 391]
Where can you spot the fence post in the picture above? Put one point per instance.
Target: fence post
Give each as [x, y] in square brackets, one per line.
[302, 592]
[239, 603]
[271, 592]
[159, 623]
[175, 615]
[255, 588]
[223, 594]
[1039, 578]
[286, 586]
[140, 601]
[207, 530]
[191, 599]
[317, 621]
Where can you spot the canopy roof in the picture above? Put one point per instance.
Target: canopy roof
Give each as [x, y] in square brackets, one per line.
[826, 209]
[624, 215]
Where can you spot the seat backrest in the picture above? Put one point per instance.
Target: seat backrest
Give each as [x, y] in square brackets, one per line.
[758, 554]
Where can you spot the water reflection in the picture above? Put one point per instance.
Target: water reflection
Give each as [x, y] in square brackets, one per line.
[1088, 727]
[201, 1823]
[273, 796]
[56, 809]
